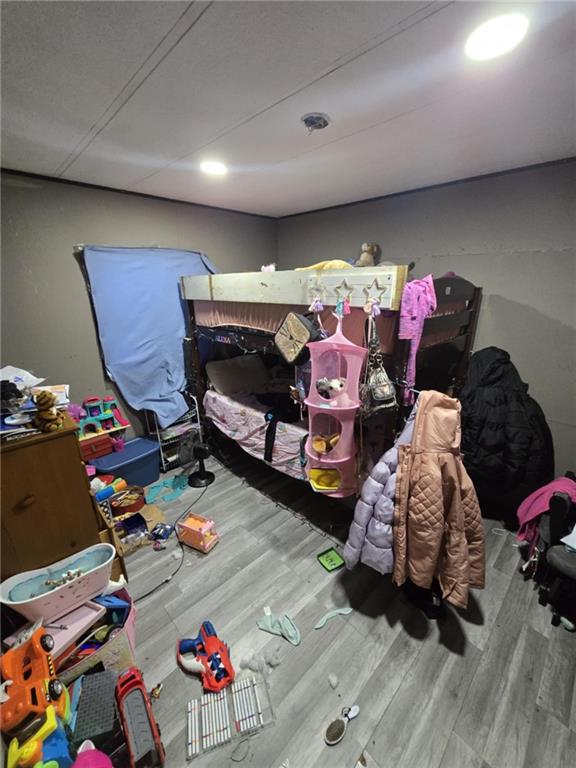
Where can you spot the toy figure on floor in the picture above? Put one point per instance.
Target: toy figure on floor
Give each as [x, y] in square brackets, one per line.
[207, 656]
[47, 418]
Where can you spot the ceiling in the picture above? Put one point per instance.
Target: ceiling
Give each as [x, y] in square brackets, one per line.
[135, 95]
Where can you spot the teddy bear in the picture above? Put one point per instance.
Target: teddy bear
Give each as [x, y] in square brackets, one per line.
[368, 254]
[47, 418]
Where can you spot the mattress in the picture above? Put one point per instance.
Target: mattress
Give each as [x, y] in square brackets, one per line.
[242, 419]
[269, 317]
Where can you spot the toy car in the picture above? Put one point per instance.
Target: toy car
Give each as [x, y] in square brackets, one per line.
[34, 685]
[211, 658]
[141, 731]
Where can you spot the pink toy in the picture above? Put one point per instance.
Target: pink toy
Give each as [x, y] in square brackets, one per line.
[197, 532]
[332, 405]
[100, 415]
[90, 757]
[76, 412]
[111, 404]
[93, 406]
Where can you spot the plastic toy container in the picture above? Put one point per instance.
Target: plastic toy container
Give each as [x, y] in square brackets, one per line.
[138, 463]
[29, 595]
[197, 532]
[118, 652]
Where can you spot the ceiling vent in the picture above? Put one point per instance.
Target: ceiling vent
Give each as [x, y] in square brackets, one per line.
[315, 121]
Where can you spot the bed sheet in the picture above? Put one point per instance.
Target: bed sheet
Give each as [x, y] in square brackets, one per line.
[242, 419]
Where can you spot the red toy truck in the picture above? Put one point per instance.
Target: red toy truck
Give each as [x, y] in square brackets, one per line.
[140, 729]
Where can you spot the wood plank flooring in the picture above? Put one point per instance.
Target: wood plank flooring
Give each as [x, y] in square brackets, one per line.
[490, 687]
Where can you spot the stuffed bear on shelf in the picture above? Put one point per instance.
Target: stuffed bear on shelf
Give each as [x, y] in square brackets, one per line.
[368, 255]
[47, 418]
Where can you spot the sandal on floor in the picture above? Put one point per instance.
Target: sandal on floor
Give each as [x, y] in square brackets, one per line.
[337, 728]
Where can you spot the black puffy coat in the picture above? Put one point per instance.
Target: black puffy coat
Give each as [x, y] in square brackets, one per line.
[506, 441]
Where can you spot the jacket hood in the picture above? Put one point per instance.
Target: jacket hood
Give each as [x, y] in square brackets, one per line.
[490, 367]
[437, 424]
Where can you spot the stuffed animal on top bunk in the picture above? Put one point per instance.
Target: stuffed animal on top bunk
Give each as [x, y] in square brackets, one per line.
[368, 255]
[47, 418]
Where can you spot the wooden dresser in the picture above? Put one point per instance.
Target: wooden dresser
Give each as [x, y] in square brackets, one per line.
[47, 510]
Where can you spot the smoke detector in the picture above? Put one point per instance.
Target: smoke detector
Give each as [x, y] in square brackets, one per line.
[315, 121]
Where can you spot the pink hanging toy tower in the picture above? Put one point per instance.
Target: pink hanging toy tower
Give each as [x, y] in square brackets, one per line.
[332, 404]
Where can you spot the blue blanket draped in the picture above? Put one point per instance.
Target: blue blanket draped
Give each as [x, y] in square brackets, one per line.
[136, 298]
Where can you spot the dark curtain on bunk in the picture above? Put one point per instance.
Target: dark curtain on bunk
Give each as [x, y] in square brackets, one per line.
[141, 322]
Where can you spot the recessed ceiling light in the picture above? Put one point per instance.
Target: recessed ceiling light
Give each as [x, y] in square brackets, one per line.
[496, 36]
[213, 168]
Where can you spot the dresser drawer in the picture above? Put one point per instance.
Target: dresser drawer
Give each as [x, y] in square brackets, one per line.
[47, 512]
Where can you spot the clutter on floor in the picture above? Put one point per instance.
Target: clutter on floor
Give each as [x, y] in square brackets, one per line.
[333, 681]
[337, 728]
[206, 655]
[197, 532]
[279, 624]
[331, 559]
[167, 489]
[264, 662]
[217, 718]
[331, 615]
[55, 697]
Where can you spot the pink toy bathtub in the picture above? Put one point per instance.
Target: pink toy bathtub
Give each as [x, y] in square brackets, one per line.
[28, 593]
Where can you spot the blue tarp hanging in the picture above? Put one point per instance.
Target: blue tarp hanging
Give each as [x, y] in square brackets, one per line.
[140, 314]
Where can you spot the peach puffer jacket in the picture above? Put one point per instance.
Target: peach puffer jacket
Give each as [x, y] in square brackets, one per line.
[438, 529]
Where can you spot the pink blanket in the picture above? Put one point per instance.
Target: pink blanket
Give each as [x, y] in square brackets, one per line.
[242, 419]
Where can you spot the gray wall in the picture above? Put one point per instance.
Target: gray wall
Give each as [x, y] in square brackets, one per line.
[47, 325]
[513, 234]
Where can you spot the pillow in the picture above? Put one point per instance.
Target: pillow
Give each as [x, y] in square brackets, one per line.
[246, 373]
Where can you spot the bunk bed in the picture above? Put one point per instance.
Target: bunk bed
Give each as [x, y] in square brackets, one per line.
[243, 312]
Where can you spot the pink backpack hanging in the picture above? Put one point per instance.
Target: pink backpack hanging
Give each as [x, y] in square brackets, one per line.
[332, 402]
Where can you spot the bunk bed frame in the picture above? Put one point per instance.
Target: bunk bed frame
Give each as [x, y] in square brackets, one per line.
[447, 338]
[220, 308]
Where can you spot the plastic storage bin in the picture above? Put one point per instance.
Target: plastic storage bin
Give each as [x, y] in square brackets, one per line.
[138, 463]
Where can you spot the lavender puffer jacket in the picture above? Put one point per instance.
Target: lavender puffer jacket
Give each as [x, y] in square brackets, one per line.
[370, 537]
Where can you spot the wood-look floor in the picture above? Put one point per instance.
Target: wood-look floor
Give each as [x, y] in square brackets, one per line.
[493, 687]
